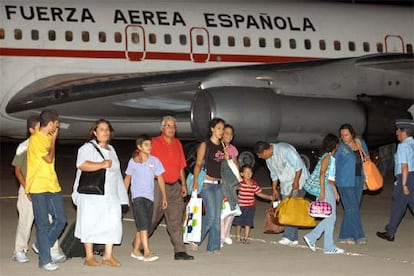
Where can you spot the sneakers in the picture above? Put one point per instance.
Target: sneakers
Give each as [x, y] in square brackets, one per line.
[228, 241]
[336, 250]
[20, 257]
[137, 257]
[286, 241]
[310, 244]
[56, 257]
[151, 258]
[50, 266]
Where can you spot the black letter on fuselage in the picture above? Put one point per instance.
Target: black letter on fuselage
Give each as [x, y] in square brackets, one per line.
[119, 16]
[9, 12]
[87, 15]
[70, 18]
[178, 19]
[56, 13]
[209, 21]
[307, 24]
[148, 16]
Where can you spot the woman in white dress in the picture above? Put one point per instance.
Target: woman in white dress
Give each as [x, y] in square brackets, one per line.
[99, 217]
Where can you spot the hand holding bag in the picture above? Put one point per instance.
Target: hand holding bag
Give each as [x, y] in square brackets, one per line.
[373, 177]
[92, 183]
[227, 211]
[320, 209]
[192, 219]
[293, 211]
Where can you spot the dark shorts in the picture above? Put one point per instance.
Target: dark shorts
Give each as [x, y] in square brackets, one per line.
[143, 209]
[246, 218]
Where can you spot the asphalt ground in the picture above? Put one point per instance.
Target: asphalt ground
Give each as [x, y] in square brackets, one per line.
[263, 256]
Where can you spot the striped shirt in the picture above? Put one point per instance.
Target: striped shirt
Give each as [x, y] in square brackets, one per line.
[247, 193]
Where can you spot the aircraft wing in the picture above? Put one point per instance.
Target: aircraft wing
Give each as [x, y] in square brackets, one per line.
[296, 102]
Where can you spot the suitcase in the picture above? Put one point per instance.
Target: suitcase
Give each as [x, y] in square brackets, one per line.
[72, 246]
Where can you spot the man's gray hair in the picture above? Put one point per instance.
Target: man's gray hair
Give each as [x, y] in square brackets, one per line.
[168, 118]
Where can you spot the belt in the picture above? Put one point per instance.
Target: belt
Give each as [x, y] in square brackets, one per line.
[171, 183]
[208, 181]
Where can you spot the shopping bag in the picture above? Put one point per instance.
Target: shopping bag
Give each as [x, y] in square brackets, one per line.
[190, 181]
[227, 211]
[293, 211]
[271, 227]
[320, 209]
[192, 219]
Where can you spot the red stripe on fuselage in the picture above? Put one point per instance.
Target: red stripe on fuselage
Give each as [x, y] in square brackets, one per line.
[105, 54]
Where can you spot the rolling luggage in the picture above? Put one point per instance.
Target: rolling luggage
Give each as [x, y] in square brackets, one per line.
[72, 246]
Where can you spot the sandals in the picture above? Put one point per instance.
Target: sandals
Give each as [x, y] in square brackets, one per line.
[193, 246]
[245, 241]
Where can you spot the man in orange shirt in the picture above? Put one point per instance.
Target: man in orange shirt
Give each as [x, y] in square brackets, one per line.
[170, 152]
[43, 186]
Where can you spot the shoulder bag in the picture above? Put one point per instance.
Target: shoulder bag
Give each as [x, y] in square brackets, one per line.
[373, 177]
[92, 183]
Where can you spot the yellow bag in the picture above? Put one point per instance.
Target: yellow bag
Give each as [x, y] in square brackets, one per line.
[294, 211]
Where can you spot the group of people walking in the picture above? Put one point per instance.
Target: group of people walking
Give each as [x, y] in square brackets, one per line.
[156, 179]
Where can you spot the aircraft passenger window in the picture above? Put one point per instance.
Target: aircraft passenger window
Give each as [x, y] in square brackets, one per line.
[380, 49]
[246, 41]
[216, 40]
[200, 40]
[167, 39]
[277, 43]
[322, 45]
[152, 38]
[135, 38]
[262, 42]
[35, 34]
[1, 33]
[307, 44]
[292, 43]
[117, 37]
[85, 36]
[183, 40]
[68, 36]
[365, 45]
[337, 45]
[102, 37]
[351, 46]
[18, 34]
[231, 41]
[409, 48]
[52, 35]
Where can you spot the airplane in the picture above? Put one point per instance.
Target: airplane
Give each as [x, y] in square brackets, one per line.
[276, 71]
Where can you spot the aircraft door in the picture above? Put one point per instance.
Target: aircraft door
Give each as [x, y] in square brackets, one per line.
[200, 44]
[135, 43]
[394, 44]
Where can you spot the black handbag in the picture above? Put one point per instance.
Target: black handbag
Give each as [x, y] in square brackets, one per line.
[92, 183]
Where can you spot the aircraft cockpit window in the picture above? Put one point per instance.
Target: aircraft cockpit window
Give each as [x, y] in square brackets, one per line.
[277, 43]
[85, 36]
[152, 38]
[102, 37]
[365, 45]
[322, 45]
[2, 33]
[380, 48]
[262, 42]
[200, 40]
[167, 39]
[117, 37]
[292, 43]
[18, 34]
[337, 45]
[69, 36]
[52, 35]
[409, 47]
[231, 41]
[135, 38]
[216, 40]
[351, 46]
[35, 34]
[308, 44]
[183, 39]
[246, 41]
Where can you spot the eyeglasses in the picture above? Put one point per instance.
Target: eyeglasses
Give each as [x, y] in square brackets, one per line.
[170, 126]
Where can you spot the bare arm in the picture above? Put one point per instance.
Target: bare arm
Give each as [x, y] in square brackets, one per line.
[324, 167]
[275, 192]
[404, 171]
[264, 196]
[161, 183]
[199, 162]
[184, 191]
[127, 181]
[19, 175]
[90, 166]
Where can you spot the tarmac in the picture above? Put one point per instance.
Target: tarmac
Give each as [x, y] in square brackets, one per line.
[263, 256]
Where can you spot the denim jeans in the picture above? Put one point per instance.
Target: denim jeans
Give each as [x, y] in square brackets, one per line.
[291, 233]
[326, 226]
[351, 228]
[47, 232]
[212, 199]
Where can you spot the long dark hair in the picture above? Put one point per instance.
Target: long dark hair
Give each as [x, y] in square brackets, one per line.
[93, 128]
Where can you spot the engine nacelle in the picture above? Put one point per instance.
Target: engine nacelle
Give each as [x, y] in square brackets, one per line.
[261, 114]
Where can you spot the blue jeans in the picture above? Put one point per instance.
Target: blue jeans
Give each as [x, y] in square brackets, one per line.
[291, 233]
[212, 199]
[351, 228]
[326, 226]
[47, 233]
